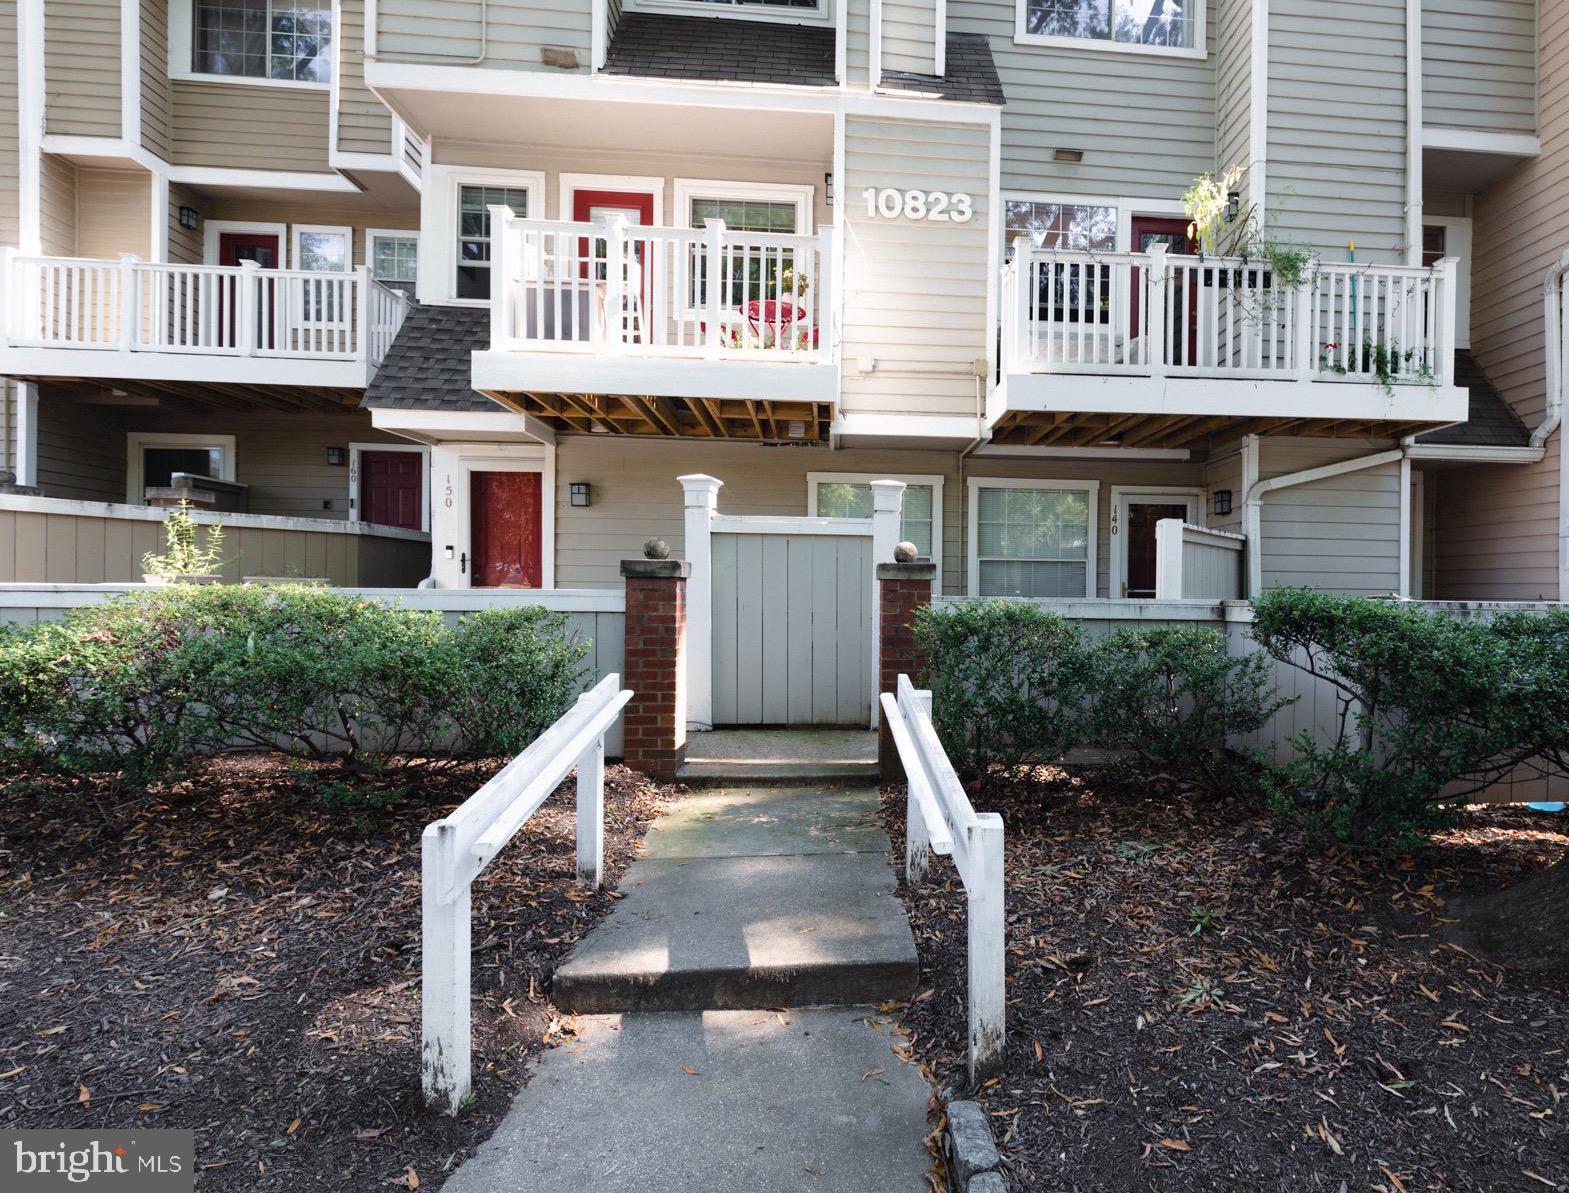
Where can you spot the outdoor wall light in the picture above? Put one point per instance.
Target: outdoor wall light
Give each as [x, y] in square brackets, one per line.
[1233, 205]
[337, 456]
[1222, 501]
[828, 187]
[188, 218]
[580, 494]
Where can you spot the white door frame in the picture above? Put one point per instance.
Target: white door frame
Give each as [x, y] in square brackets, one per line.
[452, 465]
[1123, 496]
[1457, 243]
[424, 481]
[213, 229]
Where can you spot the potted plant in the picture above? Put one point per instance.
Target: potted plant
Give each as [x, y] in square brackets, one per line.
[183, 562]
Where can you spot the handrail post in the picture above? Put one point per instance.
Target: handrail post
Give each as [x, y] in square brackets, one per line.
[591, 813]
[362, 307]
[9, 286]
[502, 295]
[1445, 272]
[988, 999]
[247, 308]
[130, 304]
[713, 282]
[826, 322]
[1155, 297]
[1302, 339]
[917, 833]
[1025, 300]
[616, 280]
[445, 1073]
[1170, 534]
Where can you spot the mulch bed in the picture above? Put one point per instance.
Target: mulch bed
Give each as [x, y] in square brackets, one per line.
[239, 954]
[1199, 1001]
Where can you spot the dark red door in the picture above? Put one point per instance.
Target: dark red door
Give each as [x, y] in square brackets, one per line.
[237, 247]
[1148, 231]
[505, 529]
[588, 206]
[1142, 517]
[391, 488]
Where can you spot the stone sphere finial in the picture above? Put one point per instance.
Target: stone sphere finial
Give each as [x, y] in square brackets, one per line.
[656, 548]
[905, 553]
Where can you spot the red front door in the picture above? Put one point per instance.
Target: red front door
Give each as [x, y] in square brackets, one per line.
[505, 529]
[1148, 231]
[391, 488]
[233, 249]
[237, 247]
[589, 207]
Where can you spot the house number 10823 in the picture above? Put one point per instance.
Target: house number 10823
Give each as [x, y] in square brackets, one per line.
[943, 206]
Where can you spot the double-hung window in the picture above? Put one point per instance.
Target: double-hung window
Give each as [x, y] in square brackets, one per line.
[1032, 538]
[474, 232]
[846, 495]
[1077, 227]
[1141, 24]
[394, 257]
[755, 272]
[281, 40]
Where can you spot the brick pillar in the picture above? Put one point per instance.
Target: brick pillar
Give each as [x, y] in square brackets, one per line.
[655, 665]
[902, 589]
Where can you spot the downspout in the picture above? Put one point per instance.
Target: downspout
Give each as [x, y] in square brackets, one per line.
[1556, 362]
[1252, 512]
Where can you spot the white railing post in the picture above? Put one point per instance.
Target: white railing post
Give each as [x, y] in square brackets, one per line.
[917, 833]
[130, 304]
[714, 283]
[1155, 292]
[10, 287]
[1303, 302]
[1445, 272]
[987, 948]
[445, 1072]
[363, 315]
[1025, 299]
[247, 309]
[615, 280]
[887, 507]
[503, 292]
[591, 812]
[1168, 559]
[826, 319]
[701, 496]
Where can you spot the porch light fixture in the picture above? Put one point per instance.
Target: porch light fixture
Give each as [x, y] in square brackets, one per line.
[337, 456]
[188, 218]
[580, 495]
[828, 187]
[1067, 155]
[1222, 501]
[1233, 205]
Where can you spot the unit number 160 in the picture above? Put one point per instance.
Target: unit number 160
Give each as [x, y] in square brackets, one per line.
[891, 203]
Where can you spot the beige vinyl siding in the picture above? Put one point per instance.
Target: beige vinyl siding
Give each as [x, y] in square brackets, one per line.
[82, 67]
[324, 213]
[1341, 534]
[250, 127]
[910, 36]
[156, 95]
[8, 125]
[81, 450]
[1337, 125]
[57, 206]
[1146, 122]
[1234, 91]
[450, 31]
[185, 244]
[1479, 64]
[364, 123]
[113, 215]
[1225, 472]
[858, 36]
[1496, 537]
[914, 290]
[636, 496]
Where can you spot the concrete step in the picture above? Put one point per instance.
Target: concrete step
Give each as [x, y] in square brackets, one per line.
[761, 757]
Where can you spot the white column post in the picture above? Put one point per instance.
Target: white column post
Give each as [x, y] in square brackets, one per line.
[26, 464]
[1303, 339]
[917, 833]
[364, 328]
[1168, 559]
[591, 813]
[714, 282]
[1403, 586]
[887, 505]
[445, 982]
[1025, 293]
[1446, 271]
[1155, 312]
[130, 304]
[702, 502]
[503, 295]
[247, 305]
[987, 948]
[616, 281]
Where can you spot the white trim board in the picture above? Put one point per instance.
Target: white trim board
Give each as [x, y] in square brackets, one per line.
[372, 235]
[438, 259]
[972, 523]
[1123, 496]
[822, 13]
[802, 195]
[343, 230]
[181, 48]
[213, 229]
[354, 477]
[934, 481]
[138, 441]
[1127, 208]
[1095, 45]
[568, 184]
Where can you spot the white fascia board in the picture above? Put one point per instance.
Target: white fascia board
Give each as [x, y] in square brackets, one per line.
[1022, 452]
[114, 151]
[1469, 140]
[112, 364]
[376, 163]
[1468, 453]
[1238, 398]
[585, 373]
[287, 180]
[958, 427]
[462, 426]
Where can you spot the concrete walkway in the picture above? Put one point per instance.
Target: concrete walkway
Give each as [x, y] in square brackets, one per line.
[695, 1066]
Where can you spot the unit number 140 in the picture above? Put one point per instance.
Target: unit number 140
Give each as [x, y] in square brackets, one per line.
[891, 203]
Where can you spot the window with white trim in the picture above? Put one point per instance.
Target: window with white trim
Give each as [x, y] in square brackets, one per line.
[288, 40]
[1163, 24]
[323, 250]
[1033, 542]
[394, 257]
[853, 499]
[474, 236]
[1075, 227]
[770, 209]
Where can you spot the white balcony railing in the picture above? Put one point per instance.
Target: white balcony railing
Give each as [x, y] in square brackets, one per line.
[1162, 315]
[139, 306]
[618, 288]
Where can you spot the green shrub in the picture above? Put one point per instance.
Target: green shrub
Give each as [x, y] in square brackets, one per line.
[1171, 694]
[1432, 708]
[1007, 681]
[532, 671]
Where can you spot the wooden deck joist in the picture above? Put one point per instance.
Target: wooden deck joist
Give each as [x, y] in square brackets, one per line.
[1058, 428]
[678, 418]
[207, 395]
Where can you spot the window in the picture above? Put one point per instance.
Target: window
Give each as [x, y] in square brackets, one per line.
[1143, 24]
[1032, 539]
[394, 257]
[767, 208]
[1076, 227]
[847, 495]
[153, 458]
[285, 40]
[323, 250]
[474, 202]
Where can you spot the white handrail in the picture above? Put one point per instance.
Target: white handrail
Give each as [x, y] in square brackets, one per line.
[939, 818]
[456, 849]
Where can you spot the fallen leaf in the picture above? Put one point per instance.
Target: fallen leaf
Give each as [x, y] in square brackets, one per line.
[12, 1072]
[369, 1132]
[293, 1127]
[53, 1031]
[410, 1177]
[1176, 1145]
[872, 1073]
[689, 1070]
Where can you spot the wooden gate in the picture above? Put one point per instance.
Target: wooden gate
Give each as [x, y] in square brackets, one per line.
[792, 625]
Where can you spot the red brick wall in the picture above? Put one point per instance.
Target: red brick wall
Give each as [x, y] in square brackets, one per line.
[898, 602]
[655, 720]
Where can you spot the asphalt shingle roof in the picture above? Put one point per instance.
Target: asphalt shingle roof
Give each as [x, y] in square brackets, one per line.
[429, 366]
[719, 49]
[971, 74]
[1491, 423]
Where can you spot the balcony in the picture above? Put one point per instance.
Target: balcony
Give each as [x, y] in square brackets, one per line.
[1156, 350]
[687, 332]
[145, 324]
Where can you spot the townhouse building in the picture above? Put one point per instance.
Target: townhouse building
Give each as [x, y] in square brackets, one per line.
[476, 281]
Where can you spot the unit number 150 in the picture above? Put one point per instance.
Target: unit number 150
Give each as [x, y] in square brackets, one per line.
[891, 203]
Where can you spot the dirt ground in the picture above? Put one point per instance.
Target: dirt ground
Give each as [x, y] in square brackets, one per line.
[1198, 1001]
[239, 954]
